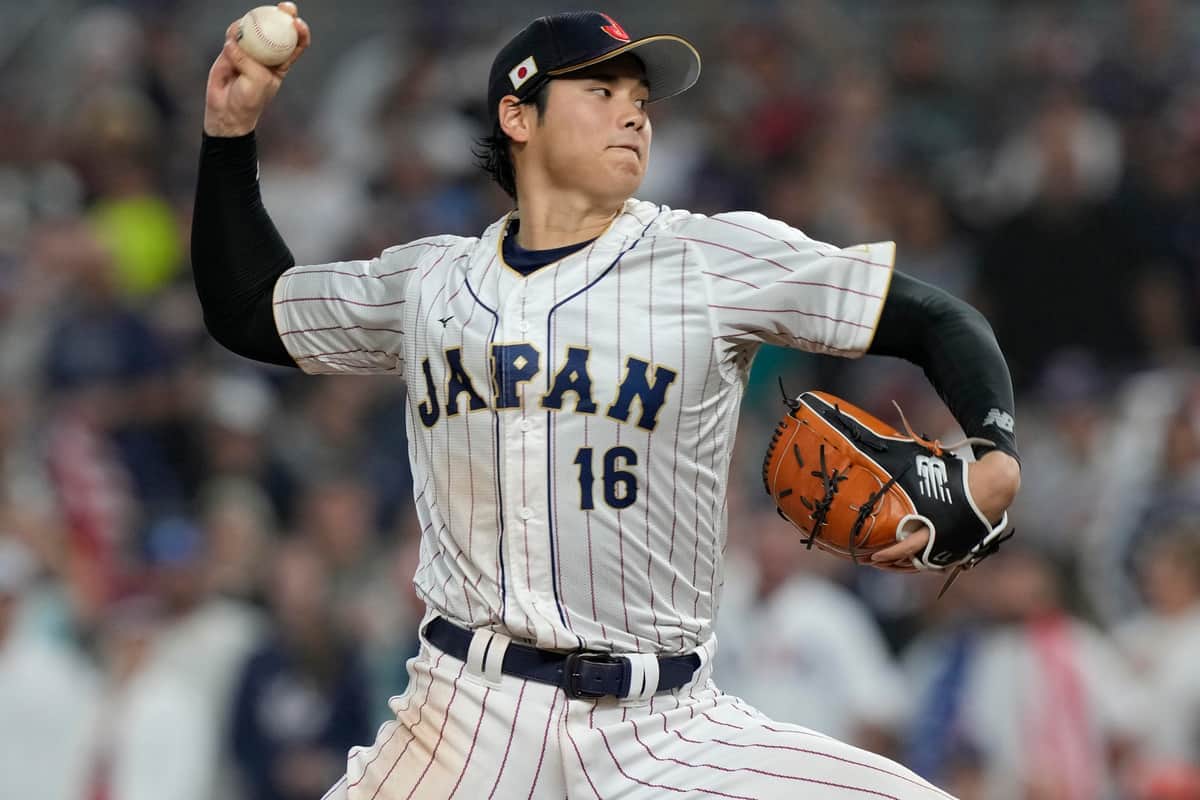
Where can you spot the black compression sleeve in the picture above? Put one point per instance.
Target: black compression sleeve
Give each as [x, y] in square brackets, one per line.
[956, 347]
[237, 255]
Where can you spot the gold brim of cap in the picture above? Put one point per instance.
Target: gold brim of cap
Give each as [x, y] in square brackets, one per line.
[664, 37]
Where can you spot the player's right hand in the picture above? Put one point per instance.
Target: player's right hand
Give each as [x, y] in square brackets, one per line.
[239, 87]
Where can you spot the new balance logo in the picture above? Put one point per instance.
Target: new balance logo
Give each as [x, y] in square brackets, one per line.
[934, 480]
[1001, 419]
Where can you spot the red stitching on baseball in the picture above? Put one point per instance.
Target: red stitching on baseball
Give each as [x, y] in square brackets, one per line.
[263, 36]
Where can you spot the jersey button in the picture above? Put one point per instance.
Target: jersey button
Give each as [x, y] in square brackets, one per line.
[524, 326]
[525, 425]
[525, 513]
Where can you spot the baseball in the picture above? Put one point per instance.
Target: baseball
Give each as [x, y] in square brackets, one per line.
[267, 35]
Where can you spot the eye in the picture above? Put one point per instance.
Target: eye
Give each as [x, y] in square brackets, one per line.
[606, 92]
[641, 104]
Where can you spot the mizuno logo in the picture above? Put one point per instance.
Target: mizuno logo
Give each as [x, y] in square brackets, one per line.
[614, 29]
[444, 320]
[935, 483]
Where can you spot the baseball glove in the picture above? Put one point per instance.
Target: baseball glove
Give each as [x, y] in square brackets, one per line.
[854, 485]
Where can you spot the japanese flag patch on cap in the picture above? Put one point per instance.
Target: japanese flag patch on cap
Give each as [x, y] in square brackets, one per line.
[522, 72]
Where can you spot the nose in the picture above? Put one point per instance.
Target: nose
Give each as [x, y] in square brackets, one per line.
[634, 117]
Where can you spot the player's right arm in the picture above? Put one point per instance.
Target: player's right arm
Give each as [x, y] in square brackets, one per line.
[344, 317]
[237, 255]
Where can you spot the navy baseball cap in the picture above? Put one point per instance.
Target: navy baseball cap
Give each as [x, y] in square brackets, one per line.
[557, 45]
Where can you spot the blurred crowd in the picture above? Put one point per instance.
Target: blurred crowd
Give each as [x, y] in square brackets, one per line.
[205, 564]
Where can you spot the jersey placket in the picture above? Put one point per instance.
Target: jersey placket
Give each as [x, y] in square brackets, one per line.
[523, 448]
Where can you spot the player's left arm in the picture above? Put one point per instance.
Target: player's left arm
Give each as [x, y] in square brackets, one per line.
[955, 346]
[770, 283]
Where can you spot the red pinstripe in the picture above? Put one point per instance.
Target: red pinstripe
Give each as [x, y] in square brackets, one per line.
[470, 460]
[363, 365]
[340, 328]
[346, 353]
[295, 273]
[696, 494]
[617, 439]
[288, 300]
[647, 468]
[753, 230]
[587, 338]
[511, 736]
[761, 331]
[668, 759]
[579, 755]
[821, 285]
[419, 244]
[433, 266]
[420, 711]
[727, 278]
[433, 753]
[793, 247]
[743, 253]
[718, 722]
[641, 782]
[804, 750]
[814, 735]
[838, 320]
[545, 739]
[474, 739]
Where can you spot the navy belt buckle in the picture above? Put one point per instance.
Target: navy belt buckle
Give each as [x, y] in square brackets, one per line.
[577, 676]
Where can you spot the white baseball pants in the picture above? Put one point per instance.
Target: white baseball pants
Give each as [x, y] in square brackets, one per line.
[465, 731]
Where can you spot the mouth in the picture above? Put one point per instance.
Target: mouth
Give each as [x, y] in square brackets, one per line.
[631, 148]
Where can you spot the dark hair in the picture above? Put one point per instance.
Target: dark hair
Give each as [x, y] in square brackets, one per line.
[493, 153]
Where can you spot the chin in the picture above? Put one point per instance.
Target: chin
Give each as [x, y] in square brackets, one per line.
[626, 183]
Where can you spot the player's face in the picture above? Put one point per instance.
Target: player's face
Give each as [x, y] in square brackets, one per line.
[595, 136]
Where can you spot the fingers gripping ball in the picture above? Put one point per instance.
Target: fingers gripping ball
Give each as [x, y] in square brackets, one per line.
[854, 485]
[268, 35]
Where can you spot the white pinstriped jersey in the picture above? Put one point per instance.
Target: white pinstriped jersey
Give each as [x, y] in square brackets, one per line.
[570, 432]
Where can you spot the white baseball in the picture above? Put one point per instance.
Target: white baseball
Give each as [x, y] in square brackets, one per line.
[267, 35]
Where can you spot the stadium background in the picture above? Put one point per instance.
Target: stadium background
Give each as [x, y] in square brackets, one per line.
[204, 564]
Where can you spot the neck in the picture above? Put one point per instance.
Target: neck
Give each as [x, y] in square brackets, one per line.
[557, 219]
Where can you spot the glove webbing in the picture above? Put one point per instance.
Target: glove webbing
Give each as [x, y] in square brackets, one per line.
[820, 508]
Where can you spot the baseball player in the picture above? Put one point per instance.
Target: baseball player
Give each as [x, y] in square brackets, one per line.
[574, 375]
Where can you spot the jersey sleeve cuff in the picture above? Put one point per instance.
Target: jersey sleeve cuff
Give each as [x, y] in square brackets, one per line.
[879, 254]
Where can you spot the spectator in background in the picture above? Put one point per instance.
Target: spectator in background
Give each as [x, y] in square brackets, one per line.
[48, 698]
[916, 215]
[239, 529]
[103, 358]
[1068, 444]
[316, 201]
[302, 701]
[1150, 475]
[1163, 644]
[937, 743]
[1061, 262]
[156, 736]
[1047, 705]
[337, 517]
[390, 631]
[800, 645]
[351, 425]
[202, 639]
[235, 438]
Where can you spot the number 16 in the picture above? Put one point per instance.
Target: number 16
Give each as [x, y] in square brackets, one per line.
[620, 486]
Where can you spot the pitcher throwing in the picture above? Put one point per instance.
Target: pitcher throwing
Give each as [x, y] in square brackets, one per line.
[574, 377]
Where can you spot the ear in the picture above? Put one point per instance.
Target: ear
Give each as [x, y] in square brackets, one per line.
[514, 118]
